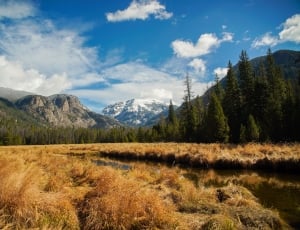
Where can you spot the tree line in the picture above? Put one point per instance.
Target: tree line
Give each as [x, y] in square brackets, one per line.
[252, 105]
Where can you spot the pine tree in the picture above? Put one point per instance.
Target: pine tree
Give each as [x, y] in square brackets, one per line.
[216, 126]
[262, 102]
[188, 113]
[243, 137]
[277, 97]
[172, 118]
[232, 104]
[246, 84]
[172, 125]
[219, 91]
[289, 114]
[200, 114]
[252, 130]
[297, 108]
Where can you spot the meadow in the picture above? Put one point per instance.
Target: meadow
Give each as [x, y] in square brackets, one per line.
[60, 187]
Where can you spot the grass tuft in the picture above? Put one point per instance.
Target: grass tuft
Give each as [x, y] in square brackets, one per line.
[118, 203]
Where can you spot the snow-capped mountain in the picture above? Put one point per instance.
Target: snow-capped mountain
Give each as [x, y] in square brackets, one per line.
[136, 112]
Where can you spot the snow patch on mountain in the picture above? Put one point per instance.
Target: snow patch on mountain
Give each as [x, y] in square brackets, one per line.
[136, 112]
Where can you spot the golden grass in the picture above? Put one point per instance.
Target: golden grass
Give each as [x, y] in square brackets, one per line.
[280, 157]
[46, 187]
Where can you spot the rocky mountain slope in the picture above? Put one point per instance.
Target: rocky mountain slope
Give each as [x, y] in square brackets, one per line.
[137, 112]
[59, 110]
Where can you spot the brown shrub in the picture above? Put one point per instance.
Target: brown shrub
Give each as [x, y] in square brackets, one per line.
[23, 203]
[118, 203]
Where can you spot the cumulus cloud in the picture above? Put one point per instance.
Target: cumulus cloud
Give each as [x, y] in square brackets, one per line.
[220, 72]
[142, 10]
[198, 65]
[51, 50]
[291, 29]
[16, 10]
[205, 44]
[17, 77]
[38, 57]
[266, 40]
[140, 81]
[290, 33]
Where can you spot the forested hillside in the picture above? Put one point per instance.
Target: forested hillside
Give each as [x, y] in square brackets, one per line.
[258, 100]
[253, 104]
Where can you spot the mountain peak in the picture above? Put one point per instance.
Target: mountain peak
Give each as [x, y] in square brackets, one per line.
[59, 110]
[136, 112]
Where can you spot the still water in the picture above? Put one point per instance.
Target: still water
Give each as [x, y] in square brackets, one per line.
[274, 190]
[277, 191]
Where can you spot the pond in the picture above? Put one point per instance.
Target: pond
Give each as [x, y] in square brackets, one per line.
[273, 190]
[276, 191]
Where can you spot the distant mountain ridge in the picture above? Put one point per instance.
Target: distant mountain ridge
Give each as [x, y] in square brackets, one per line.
[60, 110]
[137, 112]
[287, 60]
[11, 94]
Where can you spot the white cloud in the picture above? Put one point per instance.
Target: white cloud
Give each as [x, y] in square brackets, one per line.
[224, 27]
[179, 66]
[265, 40]
[140, 10]
[145, 82]
[220, 72]
[15, 76]
[289, 33]
[205, 44]
[16, 9]
[291, 29]
[39, 57]
[227, 37]
[198, 65]
[175, 66]
[134, 72]
[51, 50]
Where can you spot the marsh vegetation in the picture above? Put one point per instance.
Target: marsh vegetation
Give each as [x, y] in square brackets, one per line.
[61, 187]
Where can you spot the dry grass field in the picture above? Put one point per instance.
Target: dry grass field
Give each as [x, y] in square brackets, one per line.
[59, 187]
[283, 157]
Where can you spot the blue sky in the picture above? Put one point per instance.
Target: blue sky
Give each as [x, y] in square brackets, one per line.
[109, 51]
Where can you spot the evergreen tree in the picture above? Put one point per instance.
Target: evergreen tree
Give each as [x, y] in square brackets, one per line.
[217, 129]
[232, 104]
[252, 130]
[218, 89]
[243, 137]
[188, 112]
[173, 124]
[200, 114]
[172, 118]
[289, 114]
[297, 108]
[246, 84]
[277, 97]
[262, 102]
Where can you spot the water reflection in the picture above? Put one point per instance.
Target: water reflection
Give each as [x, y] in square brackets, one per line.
[114, 164]
[274, 190]
[277, 191]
